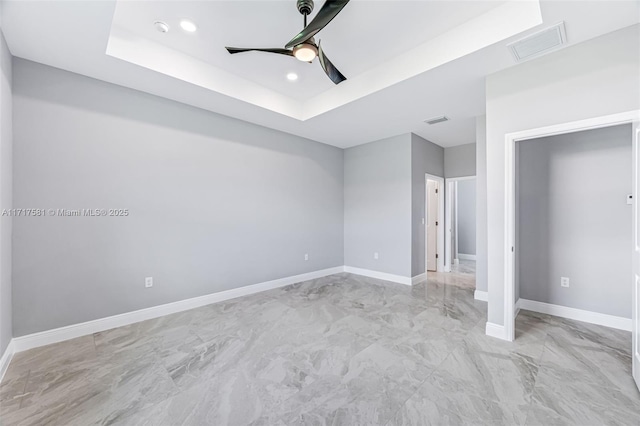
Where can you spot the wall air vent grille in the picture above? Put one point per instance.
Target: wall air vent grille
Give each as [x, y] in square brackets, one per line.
[540, 43]
[436, 120]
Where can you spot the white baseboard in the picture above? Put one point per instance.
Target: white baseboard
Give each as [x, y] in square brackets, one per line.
[516, 308]
[481, 295]
[418, 279]
[379, 275]
[496, 330]
[6, 359]
[619, 323]
[56, 335]
[463, 256]
[30, 341]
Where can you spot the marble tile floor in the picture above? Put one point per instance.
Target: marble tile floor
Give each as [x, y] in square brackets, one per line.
[340, 350]
[462, 275]
[464, 267]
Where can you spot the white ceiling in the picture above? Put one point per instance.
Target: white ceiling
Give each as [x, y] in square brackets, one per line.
[363, 35]
[490, 25]
[421, 58]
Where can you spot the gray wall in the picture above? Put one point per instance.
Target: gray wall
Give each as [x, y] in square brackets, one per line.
[377, 205]
[574, 220]
[482, 283]
[215, 203]
[595, 78]
[384, 203]
[460, 161]
[5, 194]
[466, 203]
[426, 157]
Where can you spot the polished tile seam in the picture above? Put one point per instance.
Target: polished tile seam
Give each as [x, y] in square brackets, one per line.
[24, 388]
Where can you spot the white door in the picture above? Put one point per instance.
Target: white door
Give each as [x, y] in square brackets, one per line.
[432, 223]
[454, 223]
[635, 316]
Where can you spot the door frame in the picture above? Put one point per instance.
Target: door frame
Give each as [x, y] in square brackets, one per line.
[635, 273]
[510, 195]
[441, 221]
[449, 216]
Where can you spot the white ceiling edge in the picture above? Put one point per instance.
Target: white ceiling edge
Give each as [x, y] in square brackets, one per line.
[143, 52]
[77, 44]
[498, 24]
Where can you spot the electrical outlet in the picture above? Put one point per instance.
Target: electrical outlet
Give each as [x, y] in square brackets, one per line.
[148, 282]
[375, 256]
[306, 256]
[564, 282]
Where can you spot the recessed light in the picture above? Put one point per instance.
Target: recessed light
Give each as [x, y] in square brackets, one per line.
[292, 76]
[161, 26]
[188, 26]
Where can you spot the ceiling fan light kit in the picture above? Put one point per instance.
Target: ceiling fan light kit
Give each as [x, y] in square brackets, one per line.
[303, 46]
[305, 52]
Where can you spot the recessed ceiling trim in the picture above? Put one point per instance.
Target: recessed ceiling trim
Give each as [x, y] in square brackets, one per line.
[456, 88]
[140, 51]
[498, 24]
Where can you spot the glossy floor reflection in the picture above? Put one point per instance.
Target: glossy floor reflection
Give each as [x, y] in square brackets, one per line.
[340, 350]
[464, 267]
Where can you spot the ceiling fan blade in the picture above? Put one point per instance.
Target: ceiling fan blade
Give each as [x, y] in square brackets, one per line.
[233, 50]
[331, 71]
[329, 10]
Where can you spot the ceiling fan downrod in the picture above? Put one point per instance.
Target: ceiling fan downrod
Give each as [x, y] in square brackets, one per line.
[305, 7]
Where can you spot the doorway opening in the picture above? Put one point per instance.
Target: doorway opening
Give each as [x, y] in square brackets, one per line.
[461, 225]
[565, 219]
[434, 226]
[573, 223]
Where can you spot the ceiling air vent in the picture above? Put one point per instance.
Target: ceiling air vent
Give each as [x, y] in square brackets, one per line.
[538, 44]
[436, 120]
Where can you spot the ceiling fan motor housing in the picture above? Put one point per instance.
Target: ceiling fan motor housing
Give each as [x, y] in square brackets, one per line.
[305, 7]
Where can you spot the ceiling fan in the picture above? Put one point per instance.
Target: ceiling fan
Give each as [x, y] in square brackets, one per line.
[303, 46]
